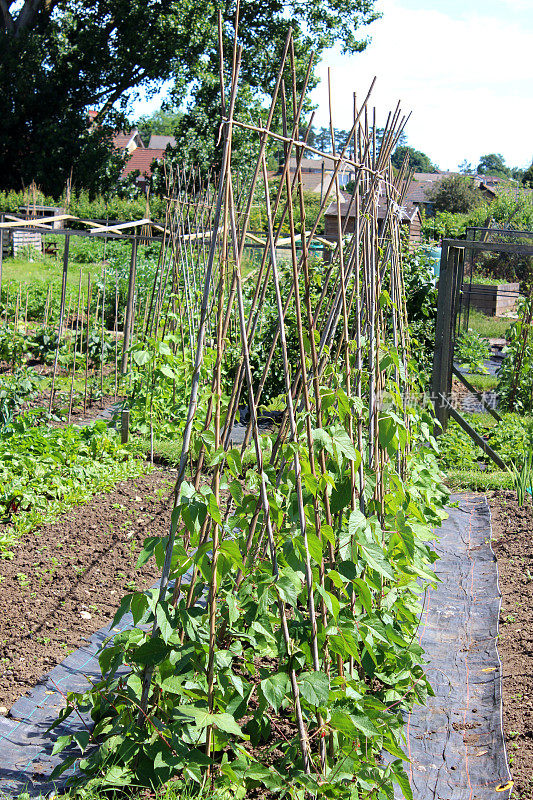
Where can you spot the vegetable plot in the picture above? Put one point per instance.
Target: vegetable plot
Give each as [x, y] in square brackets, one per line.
[44, 471]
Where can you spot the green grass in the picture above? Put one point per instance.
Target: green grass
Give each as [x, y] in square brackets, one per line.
[490, 327]
[44, 268]
[166, 451]
[482, 382]
[479, 480]
[484, 281]
[480, 420]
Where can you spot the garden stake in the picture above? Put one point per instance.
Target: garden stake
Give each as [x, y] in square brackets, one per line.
[75, 351]
[7, 302]
[115, 331]
[87, 342]
[302, 731]
[61, 312]
[47, 305]
[129, 306]
[17, 307]
[297, 467]
[103, 340]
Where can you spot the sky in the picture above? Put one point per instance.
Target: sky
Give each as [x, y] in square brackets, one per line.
[464, 68]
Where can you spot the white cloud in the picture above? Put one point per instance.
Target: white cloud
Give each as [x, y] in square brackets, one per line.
[467, 81]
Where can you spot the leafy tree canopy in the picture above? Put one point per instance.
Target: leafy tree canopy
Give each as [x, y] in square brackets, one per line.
[527, 177]
[456, 194]
[418, 161]
[466, 168]
[162, 122]
[58, 58]
[493, 164]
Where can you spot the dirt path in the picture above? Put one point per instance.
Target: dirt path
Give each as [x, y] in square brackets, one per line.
[513, 545]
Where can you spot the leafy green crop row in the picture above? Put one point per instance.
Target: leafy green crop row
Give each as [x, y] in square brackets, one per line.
[512, 439]
[44, 471]
[370, 594]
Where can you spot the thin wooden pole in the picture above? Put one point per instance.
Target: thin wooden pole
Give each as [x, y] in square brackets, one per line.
[129, 306]
[103, 340]
[75, 351]
[87, 342]
[115, 329]
[1, 250]
[7, 303]
[26, 312]
[61, 312]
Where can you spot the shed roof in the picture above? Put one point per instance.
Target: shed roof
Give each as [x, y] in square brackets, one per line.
[408, 211]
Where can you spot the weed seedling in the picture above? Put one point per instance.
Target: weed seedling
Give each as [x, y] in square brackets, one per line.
[23, 580]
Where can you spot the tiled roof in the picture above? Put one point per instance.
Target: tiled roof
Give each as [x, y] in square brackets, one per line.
[423, 184]
[313, 164]
[162, 142]
[311, 182]
[121, 140]
[432, 176]
[142, 159]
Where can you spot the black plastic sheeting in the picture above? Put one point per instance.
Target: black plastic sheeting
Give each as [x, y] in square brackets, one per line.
[26, 760]
[455, 743]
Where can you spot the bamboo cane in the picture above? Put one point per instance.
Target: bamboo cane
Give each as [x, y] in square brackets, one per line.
[75, 352]
[60, 325]
[87, 342]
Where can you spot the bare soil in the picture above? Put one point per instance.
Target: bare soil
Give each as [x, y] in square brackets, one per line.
[66, 579]
[513, 545]
[93, 410]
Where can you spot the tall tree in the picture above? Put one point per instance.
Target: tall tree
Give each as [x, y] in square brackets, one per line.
[323, 139]
[493, 164]
[58, 58]
[527, 177]
[465, 167]
[162, 122]
[418, 161]
[456, 194]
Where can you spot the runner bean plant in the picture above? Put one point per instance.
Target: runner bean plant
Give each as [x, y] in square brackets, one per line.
[279, 651]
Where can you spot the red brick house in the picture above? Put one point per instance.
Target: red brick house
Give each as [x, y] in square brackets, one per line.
[128, 141]
[142, 159]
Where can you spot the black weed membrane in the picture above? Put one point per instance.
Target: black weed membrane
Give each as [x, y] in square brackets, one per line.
[456, 742]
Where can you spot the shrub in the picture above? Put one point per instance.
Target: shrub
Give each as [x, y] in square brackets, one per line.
[515, 376]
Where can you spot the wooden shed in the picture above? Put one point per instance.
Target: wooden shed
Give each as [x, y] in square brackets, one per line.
[409, 215]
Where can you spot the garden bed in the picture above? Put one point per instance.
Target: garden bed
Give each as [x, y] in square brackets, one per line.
[66, 579]
[493, 299]
[513, 545]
